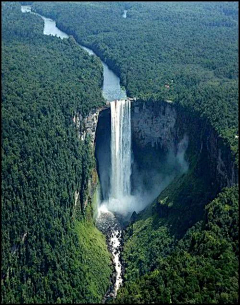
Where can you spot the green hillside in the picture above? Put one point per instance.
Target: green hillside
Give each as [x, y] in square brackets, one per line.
[45, 82]
[200, 268]
[183, 248]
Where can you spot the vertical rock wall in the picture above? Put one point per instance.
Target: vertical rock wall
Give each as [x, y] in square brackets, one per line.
[161, 125]
[157, 128]
[154, 123]
[87, 126]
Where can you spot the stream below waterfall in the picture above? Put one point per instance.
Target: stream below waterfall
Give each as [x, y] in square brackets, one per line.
[106, 221]
[109, 225]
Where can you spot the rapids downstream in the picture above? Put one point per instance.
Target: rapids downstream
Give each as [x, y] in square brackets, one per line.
[120, 186]
[108, 224]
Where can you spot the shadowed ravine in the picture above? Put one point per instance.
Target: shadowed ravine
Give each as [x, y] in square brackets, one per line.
[122, 185]
[108, 224]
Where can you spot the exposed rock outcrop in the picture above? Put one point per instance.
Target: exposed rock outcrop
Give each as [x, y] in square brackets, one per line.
[154, 123]
[88, 125]
[162, 125]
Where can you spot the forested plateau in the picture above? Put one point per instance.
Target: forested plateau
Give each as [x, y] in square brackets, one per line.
[183, 52]
[183, 248]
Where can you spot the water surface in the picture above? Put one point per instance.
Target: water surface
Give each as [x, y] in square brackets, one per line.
[111, 89]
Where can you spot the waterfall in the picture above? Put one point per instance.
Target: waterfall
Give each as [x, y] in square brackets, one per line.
[120, 183]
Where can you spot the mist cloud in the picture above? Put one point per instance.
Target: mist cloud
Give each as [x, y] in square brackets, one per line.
[143, 196]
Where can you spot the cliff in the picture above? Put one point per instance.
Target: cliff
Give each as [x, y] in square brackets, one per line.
[161, 125]
[191, 228]
[87, 126]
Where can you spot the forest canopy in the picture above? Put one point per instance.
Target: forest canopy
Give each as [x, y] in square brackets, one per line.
[186, 52]
[183, 52]
[46, 81]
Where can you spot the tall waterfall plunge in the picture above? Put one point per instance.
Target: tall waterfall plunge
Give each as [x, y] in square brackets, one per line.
[120, 197]
[120, 181]
[120, 184]
[116, 179]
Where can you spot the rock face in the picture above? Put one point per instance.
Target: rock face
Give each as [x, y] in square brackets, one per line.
[88, 125]
[154, 123]
[158, 148]
[222, 163]
[161, 125]
[157, 128]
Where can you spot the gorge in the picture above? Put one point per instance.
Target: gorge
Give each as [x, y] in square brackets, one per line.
[153, 159]
[124, 187]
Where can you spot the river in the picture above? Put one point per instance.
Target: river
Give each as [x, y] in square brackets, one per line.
[106, 220]
[111, 83]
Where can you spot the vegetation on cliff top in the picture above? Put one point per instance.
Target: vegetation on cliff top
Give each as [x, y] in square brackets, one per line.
[51, 252]
[45, 82]
[186, 52]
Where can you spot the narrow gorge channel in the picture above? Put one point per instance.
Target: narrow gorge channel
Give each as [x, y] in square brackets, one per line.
[140, 148]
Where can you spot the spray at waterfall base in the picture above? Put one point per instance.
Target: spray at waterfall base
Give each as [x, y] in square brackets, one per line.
[123, 187]
[120, 198]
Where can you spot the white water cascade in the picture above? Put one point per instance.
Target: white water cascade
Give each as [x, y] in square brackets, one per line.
[120, 185]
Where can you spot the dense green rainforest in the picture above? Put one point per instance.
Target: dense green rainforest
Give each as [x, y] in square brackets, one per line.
[185, 52]
[51, 250]
[181, 249]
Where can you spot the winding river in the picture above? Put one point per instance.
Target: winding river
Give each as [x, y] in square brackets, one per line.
[106, 220]
[111, 83]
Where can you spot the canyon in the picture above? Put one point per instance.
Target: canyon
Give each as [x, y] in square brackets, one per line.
[167, 141]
